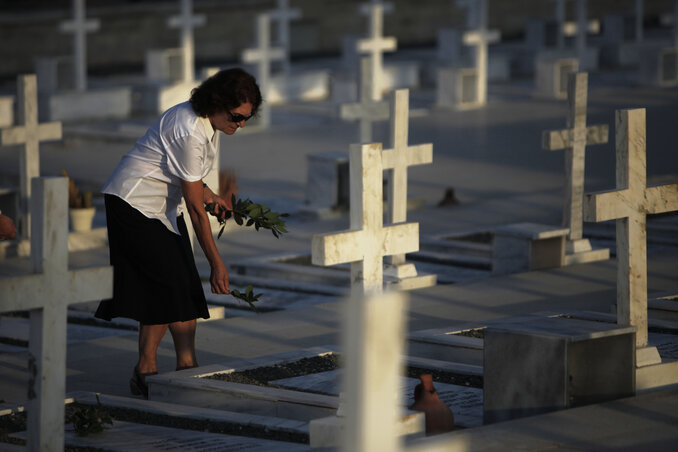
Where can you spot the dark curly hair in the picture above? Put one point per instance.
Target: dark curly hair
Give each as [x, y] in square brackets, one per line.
[224, 91]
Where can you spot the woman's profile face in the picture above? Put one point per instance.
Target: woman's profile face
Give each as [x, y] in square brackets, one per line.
[229, 121]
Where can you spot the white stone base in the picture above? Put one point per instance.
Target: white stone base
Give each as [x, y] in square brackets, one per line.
[156, 98]
[328, 431]
[6, 111]
[100, 103]
[307, 86]
[77, 241]
[580, 252]
[405, 277]
[551, 76]
[456, 88]
[655, 376]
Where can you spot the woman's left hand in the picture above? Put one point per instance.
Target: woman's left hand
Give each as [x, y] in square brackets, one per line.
[208, 197]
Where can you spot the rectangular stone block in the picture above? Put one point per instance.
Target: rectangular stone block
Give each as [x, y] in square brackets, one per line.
[456, 87]
[659, 66]
[155, 98]
[101, 103]
[54, 73]
[551, 76]
[547, 364]
[525, 247]
[327, 181]
[6, 111]
[306, 86]
[164, 65]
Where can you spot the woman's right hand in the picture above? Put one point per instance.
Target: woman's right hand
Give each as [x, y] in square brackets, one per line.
[219, 279]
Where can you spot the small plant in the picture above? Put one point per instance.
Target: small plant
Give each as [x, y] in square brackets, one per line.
[250, 214]
[77, 200]
[88, 419]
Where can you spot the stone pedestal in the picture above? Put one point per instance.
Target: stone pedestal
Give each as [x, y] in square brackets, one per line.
[523, 247]
[456, 88]
[659, 66]
[307, 86]
[6, 111]
[164, 65]
[328, 431]
[54, 74]
[95, 104]
[327, 181]
[547, 364]
[551, 76]
[155, 98]
[580, 252]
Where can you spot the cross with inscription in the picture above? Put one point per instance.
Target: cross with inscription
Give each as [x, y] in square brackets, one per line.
[186, 21]
[629, 205]
[481, 38]
[263, 54]
[46, 294]
[375, 45]
[79, 26]
[368, 241]
[574, 140]
[397, 159]
[282, 16]
[29, 134]
[367, 110]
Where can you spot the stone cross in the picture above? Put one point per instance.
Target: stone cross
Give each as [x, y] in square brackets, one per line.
[368, 241]
[46, 294]
[629, 205]
[397, 159]
[263, 54]
[367, 110]
[582, 28]
[79, 26]
[283, 15]
[29, 134]
[560, 21]
[374, 331]
[574, 140]
[481, 38]
[186, 21]
[375, 45]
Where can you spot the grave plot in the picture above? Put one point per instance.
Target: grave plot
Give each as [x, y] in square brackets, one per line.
[304, 385]
[143, 425]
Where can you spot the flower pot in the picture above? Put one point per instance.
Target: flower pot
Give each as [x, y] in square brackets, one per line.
[81, 219]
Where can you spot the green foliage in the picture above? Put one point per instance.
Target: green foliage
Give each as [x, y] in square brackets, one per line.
[245, 212]
[88, 419]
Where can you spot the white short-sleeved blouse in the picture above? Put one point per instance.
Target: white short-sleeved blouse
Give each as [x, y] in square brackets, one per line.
[180, 145]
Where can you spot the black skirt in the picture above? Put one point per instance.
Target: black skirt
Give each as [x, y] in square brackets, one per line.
[154, 276]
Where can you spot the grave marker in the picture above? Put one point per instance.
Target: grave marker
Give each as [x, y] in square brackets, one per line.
[46, 294]
[263, 54]
[29, 134]
[79, 26]
[481, 37]
[283, 15]
[580, 37]
[396, 161]
[574, 140]
[368, 241]
[367, 110]
[186, 21]
[559, 12]
[376, 44]
[629, 205]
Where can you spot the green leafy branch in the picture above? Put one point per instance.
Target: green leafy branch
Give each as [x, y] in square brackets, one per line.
[250, 214]
[88, 419]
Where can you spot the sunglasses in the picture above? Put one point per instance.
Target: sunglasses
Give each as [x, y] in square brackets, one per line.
[236, 117]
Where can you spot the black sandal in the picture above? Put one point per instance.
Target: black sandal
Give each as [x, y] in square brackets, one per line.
[137, 384]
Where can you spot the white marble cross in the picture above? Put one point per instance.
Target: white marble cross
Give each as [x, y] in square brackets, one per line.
[375, 45]
[367, 110]
[368, 241]
[283, 15]
[263, 54]
[629, 205]
[574, 140]
[46, 294]
[560, 21]
[186, 21]
[373, 337]
[29, 134]
[397, 159]
[79, 26]
[481, 38]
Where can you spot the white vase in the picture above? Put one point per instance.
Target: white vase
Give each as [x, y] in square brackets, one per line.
[81, 219]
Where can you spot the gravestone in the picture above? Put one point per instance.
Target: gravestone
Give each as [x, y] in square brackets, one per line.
[164, 65]
[551, 76]
[396, 160]
[282, 16]
[367, 110]
[46, 294]
[28, 133]
[574, 140]
[262, 55]
[79, 26]
[366, 243]
[375, 45]
[6, 111]
[55, 73]
[629, 205]
[623, 37]
[186, 22]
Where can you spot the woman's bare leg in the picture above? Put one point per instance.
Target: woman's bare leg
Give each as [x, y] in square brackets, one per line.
[183, 334]
[149, 340]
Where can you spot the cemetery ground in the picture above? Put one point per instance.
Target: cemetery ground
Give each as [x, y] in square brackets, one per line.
[493, 159]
